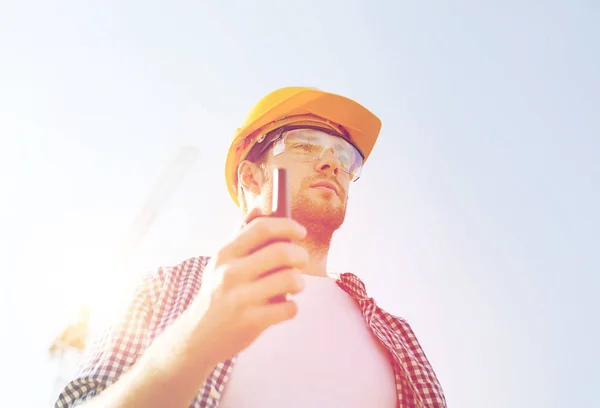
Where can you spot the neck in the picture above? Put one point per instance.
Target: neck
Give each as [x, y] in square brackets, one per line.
[318, 249]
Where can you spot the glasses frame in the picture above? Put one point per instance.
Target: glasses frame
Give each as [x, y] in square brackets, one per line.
[269, 139]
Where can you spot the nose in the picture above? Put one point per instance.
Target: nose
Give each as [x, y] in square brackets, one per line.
[328, 163]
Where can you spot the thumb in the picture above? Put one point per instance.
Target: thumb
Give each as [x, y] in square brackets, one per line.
[253, 214]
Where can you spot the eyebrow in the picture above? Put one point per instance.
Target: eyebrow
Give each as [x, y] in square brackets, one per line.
[298, 135]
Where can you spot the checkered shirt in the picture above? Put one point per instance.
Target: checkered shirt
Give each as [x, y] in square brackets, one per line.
[164, 294]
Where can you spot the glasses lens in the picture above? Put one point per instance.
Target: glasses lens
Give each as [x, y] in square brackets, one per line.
[311, 144]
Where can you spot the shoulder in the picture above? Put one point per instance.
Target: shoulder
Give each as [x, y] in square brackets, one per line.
[355, 286]
[189, 269]
[180, 281]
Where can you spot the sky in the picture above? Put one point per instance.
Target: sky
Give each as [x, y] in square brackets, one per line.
[476, 216]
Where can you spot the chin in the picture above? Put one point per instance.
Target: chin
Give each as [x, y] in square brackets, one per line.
[326, 201]
[318, 212]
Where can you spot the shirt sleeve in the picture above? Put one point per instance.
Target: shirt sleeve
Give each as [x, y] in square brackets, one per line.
[112, 353]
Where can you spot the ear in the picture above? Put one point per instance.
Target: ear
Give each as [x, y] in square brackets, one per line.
[250, 176]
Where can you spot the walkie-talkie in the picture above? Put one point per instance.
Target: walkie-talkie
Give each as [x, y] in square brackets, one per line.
[280, 207]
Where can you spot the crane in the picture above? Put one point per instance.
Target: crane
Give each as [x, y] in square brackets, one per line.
[72, 340]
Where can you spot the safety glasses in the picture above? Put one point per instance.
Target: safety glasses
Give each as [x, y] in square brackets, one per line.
[310, 144]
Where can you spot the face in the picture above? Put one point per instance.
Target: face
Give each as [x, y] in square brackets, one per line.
[318, 189]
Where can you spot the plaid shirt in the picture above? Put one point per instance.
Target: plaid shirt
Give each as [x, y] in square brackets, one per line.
[166, 293]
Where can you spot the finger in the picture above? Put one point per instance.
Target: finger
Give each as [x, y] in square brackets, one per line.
[259, 232]
[253, 214]
[275, 256]
[258, 292]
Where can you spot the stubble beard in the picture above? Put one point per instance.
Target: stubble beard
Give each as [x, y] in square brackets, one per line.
[320, 217]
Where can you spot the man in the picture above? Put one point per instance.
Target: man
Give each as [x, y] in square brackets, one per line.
[206, 332]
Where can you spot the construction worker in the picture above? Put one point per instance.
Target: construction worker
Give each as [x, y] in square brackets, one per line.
[207, 333]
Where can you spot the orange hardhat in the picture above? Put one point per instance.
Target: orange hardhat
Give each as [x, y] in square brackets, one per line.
[359, 124]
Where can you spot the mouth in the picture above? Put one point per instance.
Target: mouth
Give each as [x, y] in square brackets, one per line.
[326, 185]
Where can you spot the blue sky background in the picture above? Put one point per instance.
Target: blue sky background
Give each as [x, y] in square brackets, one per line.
[476, 217]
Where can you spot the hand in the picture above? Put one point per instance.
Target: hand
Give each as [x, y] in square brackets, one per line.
[231, 310]
[233, 307]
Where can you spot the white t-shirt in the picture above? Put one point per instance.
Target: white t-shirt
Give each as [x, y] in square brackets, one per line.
[324, 357]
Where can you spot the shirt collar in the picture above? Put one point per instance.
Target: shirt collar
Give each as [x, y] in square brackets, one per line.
[352, 284]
